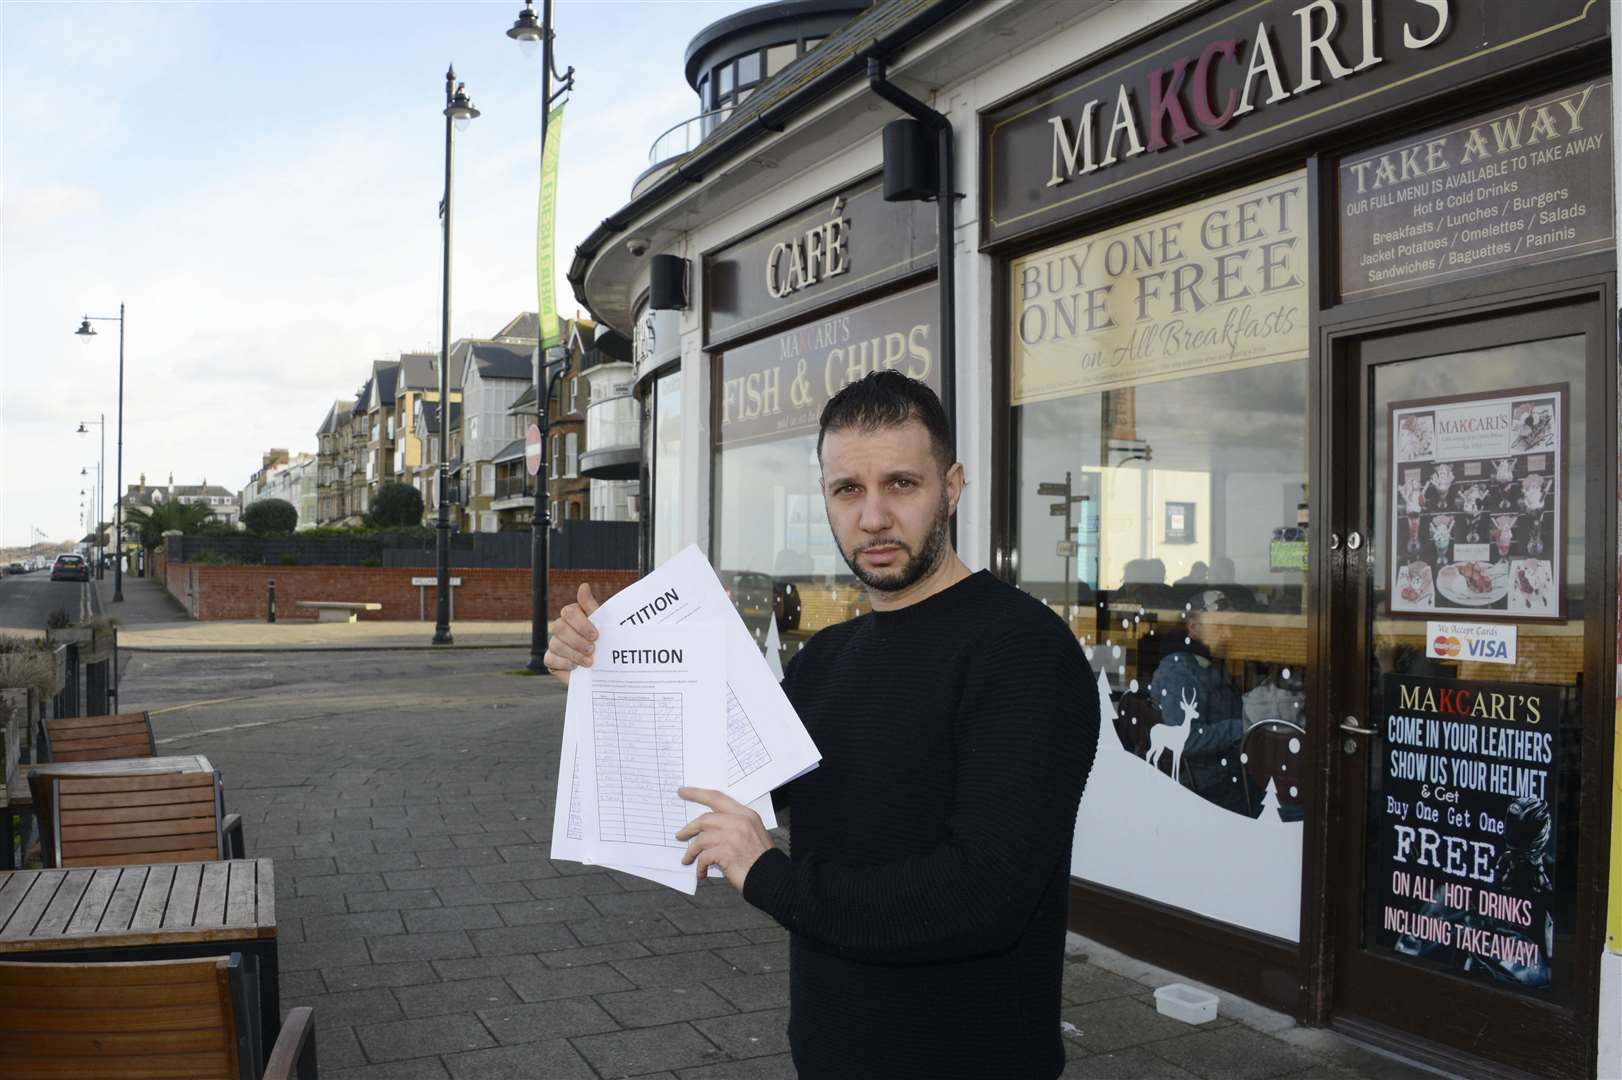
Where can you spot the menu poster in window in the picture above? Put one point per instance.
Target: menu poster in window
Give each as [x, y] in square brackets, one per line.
[1478, 495]
[1464, 875]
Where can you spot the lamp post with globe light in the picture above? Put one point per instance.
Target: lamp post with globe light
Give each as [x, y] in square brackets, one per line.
[86, 331]
[101, 491]
[530, 33]
[459, 112]
[98, 493]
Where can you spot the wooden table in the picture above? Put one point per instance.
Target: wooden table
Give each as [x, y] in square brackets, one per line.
[165, 911]
[18, 798]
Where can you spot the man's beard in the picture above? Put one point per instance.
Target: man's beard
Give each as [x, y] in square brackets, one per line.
[918, 562]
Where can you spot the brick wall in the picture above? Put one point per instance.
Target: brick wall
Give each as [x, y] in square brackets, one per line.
[211, 591]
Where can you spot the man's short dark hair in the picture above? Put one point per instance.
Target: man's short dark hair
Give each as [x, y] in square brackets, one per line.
[884, 399]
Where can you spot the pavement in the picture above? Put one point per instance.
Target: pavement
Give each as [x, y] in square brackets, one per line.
[406, 798]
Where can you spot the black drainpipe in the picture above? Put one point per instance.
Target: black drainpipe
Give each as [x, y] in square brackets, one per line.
[946, 241]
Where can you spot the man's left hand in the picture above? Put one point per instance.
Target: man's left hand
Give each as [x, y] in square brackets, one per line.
[730, 836]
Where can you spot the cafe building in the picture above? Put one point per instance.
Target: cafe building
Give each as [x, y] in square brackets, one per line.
[1281, 352]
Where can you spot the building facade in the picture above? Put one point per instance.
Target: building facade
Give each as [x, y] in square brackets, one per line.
[1300, 316]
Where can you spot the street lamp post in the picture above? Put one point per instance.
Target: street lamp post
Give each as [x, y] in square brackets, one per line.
[101, 490]
[528, 31]
[87, 332]
[97, 493]
[459, 112]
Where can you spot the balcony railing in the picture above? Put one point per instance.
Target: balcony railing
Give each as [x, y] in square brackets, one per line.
[613, 423]
[511, 487]
[683, 138]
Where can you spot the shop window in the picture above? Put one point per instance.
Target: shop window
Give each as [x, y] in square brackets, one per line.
[749, 69]
[665, 441]
[1157, 504]
[779, 57]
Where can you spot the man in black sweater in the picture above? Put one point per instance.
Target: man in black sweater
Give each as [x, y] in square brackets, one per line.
[927, 890]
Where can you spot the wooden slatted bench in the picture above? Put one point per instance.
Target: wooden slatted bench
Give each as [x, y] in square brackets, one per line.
[95, 738]
[338, 610]
[117, 914]
[148, 1018]
[109, 820]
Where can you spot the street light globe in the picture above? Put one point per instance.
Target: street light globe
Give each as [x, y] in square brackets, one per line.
[526, 30]
[82, 429]
[86, 331]
[461, 110]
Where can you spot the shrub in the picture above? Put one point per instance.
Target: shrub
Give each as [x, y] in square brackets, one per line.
[270, 516]
[212, 558]
[290, 560]
[396, 504]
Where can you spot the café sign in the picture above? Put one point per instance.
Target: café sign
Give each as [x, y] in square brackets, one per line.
[844, 244]
[1247, 79]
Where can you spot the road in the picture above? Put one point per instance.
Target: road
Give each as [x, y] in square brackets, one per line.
[26, 600]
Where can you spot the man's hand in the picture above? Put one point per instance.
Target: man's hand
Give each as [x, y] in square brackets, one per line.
[572, 636]
[731, 836]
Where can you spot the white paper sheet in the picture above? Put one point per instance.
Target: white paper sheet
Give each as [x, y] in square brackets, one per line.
[653, 695]
[766, 742]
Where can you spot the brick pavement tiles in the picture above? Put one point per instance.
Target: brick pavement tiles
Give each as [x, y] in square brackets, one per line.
[407, 801]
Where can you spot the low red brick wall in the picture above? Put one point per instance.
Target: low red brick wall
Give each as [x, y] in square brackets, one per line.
[211, 591]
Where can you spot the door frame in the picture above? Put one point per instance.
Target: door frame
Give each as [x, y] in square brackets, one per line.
[1339, 467]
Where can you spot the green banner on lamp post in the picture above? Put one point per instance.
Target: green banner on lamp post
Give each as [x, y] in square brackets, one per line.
[546, 225]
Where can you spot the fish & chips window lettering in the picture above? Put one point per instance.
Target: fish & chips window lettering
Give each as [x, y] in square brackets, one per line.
[1305, 323]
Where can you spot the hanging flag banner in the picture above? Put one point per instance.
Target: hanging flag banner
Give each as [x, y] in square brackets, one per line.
[546, 229]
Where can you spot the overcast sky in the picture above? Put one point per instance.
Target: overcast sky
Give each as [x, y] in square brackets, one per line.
[258, 182]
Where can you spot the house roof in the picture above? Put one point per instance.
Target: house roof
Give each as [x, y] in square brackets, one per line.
[335, 415]
[201, 490]
[526, 326]
[385, 376]
[363, 397]
[418, 371]
[511, 452]
[524, 402]
[499, 360]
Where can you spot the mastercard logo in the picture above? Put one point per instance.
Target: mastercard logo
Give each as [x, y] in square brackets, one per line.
[1445, 646]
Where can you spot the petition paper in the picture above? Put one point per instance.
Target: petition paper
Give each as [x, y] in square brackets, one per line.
[766, 744]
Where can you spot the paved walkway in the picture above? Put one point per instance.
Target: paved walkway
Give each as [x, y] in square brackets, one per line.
[407, 800]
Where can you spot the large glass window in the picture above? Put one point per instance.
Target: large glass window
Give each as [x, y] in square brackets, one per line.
[1159, 505]
[666, 445]
[779, 57]
[773, 546]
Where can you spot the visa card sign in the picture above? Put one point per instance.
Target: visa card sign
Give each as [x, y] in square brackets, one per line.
[1480, 642]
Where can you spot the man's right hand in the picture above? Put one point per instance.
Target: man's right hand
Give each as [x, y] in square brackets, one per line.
[573, 636]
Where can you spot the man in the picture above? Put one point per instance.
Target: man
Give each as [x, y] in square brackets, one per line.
[927, 891]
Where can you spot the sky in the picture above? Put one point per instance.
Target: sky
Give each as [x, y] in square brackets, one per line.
[258, 183]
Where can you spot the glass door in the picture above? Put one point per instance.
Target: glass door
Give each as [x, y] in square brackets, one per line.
[1469, 519]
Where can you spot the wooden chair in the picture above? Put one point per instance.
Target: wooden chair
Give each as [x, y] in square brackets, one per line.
[97, 738]
[163, 817]
[153, 1018]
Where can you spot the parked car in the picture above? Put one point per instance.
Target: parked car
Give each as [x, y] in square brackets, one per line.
[70, 568]
[16, 568]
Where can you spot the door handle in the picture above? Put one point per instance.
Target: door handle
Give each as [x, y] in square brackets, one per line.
[1354, 540]
[1350, 724]
[1334, 541]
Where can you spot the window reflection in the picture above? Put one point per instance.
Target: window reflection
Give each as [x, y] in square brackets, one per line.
[774, 549]
[1166, 523]
[666, 466]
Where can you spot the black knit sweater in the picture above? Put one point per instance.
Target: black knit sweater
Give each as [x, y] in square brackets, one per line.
[927, 891]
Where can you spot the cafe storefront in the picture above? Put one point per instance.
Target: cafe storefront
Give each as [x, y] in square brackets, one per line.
[1306, 397]
[1286, 374]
